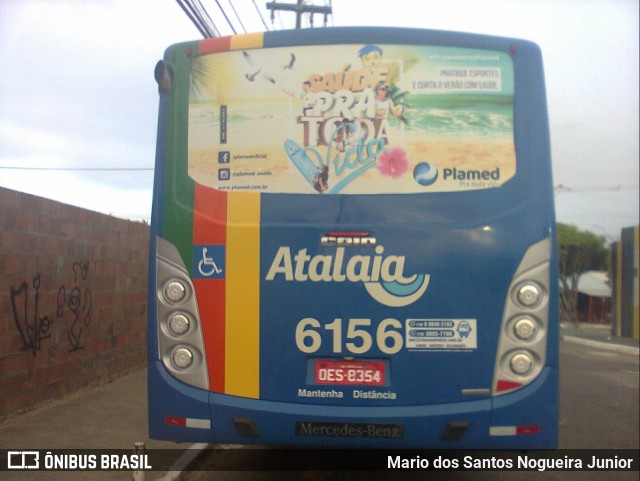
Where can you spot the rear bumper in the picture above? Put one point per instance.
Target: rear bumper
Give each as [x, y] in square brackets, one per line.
[228, 419]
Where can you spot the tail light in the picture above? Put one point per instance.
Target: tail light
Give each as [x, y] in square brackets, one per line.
[180, 341]
[523, 342]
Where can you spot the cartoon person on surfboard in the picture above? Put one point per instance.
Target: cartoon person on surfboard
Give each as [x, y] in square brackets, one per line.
[321, 179]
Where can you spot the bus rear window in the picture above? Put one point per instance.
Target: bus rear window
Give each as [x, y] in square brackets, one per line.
[352, 119]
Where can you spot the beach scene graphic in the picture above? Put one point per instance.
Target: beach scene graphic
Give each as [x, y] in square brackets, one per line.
[353, 119]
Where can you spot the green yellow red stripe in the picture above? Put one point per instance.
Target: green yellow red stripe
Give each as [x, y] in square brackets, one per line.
[242, 366]
[237, 42]
[210, 228]
[230, 307]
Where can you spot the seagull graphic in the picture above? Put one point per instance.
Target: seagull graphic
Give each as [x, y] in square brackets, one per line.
[251, 77]
[266, 77]
[289, 66]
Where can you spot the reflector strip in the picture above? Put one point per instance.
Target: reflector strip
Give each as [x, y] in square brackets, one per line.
[175, 421]
[503, 385]
[514, 430]
[523, 430]
[188, 422]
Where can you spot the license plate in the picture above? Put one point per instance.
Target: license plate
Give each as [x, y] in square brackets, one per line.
[354, 373]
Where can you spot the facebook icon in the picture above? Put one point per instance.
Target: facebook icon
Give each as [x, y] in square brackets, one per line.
[224, 157]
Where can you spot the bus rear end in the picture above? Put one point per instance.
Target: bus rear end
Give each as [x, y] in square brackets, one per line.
[353, 242]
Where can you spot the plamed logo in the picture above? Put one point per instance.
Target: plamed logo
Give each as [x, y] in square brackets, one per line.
[427, 174]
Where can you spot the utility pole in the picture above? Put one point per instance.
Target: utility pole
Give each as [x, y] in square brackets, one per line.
[300, 8]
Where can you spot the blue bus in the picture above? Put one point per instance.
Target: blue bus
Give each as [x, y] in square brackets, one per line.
[353, 242]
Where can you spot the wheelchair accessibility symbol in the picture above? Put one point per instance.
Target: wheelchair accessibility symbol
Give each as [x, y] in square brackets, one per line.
[208, 262]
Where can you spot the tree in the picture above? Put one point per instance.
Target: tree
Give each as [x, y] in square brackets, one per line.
[578, 251]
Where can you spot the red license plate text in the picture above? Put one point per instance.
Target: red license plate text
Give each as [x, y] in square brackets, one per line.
[353, 373]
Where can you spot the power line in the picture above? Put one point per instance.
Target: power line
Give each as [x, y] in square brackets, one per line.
[260, 15]
[300, 8]
[208, 19]
[328, 4]
[237, 16]
[199, 17]
[225, 17]
[193, 15]
[194, 18]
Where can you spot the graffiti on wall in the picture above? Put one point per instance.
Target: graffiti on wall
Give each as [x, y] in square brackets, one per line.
[73, 309]
[77, 302]
[33, 329]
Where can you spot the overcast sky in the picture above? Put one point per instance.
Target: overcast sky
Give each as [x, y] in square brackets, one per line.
[77, 91]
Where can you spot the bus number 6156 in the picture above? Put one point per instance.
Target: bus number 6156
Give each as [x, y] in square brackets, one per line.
[358, 339]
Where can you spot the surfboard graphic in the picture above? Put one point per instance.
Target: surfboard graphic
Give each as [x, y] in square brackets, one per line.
[302, 161]
[307, 167]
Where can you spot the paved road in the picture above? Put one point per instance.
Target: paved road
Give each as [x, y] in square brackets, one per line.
[599, 408]
[598, 398]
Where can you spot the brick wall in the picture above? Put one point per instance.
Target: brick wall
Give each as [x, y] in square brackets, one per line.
[72, 298]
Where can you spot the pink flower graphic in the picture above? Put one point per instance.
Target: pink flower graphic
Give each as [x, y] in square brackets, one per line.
[393, 163]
